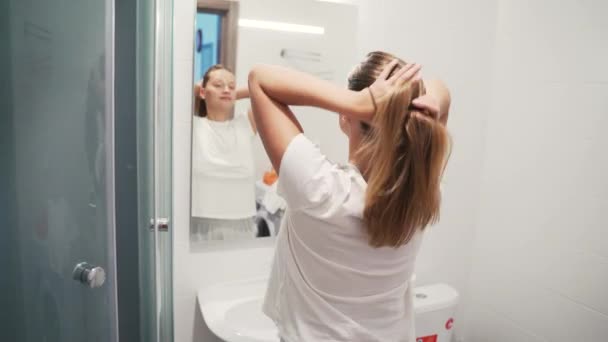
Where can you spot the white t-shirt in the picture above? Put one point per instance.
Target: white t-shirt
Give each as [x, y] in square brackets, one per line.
[223, 185]
[327, 283]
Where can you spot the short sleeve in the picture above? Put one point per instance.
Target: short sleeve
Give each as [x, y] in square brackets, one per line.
[307, 177]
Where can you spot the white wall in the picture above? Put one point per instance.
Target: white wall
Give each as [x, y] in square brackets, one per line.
[522, 235]
[337, 48]
[456, 45]
[184, 301]
[540, 261]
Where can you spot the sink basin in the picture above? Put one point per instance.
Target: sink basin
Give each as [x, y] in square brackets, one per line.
[233, 311]
[247, 319]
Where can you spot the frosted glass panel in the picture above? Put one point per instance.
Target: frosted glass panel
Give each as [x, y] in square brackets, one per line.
[57, 153]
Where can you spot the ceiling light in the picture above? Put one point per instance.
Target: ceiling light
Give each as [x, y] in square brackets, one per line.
[279, 26]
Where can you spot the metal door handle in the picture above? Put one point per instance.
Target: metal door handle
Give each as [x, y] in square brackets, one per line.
[89, 275]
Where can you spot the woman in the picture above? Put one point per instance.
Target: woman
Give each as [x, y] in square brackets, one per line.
[223, 193]
[346, 252]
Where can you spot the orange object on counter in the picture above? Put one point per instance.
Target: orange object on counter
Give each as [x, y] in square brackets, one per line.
[270, 177]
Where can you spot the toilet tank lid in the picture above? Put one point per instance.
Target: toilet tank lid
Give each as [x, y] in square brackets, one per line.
[434, 297]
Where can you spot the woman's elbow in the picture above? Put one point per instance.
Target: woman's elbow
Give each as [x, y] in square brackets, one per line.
[256, 73]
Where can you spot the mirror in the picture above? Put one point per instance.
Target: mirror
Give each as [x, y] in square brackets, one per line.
[234, 189]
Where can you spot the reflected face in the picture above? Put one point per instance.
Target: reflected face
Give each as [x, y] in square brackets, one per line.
[220, 91]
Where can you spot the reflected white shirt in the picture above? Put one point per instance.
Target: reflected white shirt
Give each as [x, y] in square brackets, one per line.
[327, 283]
[222, 168]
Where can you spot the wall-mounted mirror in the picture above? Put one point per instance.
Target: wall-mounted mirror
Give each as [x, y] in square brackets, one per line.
[234, 195]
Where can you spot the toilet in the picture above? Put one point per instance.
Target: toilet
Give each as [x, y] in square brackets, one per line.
[434, 307]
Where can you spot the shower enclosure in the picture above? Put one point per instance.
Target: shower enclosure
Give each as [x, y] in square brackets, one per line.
[85, 176]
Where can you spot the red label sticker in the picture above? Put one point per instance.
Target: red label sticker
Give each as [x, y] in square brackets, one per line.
[432, 338]
[449, 324]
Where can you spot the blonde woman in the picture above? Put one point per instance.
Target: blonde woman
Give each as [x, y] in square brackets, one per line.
[347, 248]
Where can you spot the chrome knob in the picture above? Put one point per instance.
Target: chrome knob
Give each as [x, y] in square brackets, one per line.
[89, 275]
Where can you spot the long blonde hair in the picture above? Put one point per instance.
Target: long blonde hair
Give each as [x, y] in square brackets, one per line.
[405, 152]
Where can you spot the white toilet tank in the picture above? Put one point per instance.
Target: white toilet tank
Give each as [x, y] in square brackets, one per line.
[434, 307]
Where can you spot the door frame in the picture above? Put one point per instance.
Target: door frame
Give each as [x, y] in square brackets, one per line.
[229, 10]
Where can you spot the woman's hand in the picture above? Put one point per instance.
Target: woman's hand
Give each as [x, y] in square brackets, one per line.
[436, 100]
[384, 86]
[429, 103]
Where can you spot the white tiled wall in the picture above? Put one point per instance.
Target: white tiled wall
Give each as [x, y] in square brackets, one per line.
[540, 261]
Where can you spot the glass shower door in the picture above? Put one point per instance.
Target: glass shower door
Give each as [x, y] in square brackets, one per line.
[57, 155]
[57, 180]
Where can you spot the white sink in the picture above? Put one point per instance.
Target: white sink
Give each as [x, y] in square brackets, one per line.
[233, 311]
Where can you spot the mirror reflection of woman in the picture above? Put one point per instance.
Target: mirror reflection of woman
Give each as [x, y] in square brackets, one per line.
[223, 193]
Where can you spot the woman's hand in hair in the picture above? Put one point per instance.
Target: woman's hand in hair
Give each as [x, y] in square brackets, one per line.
[427, 103]
[384, 85]
[437, 95]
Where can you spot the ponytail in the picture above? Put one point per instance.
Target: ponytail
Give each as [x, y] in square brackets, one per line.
[406, 151]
